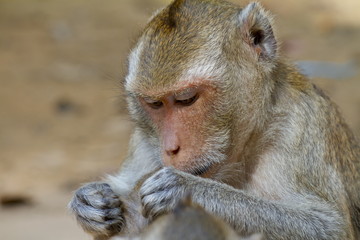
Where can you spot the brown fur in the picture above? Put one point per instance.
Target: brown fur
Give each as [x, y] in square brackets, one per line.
[261, 147]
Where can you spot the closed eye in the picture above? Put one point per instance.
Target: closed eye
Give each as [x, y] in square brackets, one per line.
[188, 101]
[155, 105]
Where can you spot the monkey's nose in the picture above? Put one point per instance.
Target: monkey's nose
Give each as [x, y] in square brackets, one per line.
[173, 151]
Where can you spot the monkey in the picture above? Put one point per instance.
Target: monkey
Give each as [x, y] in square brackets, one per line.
[190, 221]
[219, 114]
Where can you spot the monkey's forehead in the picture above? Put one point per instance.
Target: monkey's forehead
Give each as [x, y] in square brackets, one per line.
[166, 74]
[181, 12]
[198, 85]
[181, 43]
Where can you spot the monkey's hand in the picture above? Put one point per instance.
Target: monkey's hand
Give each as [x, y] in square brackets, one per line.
[162, 191]
[98, 209]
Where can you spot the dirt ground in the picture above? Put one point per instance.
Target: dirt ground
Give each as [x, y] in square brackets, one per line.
[63, 120]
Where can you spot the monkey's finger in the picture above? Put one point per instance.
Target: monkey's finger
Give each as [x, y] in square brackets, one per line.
[145, 212]
[107, 228]
[153, 213]
[103, 189]
[103, 203]
[163, 180]
[150, 187]
[98, 196]
[95, 214]
[154, 205]
[148, 212]
[146, 191]
[147, 206]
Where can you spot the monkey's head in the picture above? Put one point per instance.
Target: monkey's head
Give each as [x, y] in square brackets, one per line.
[199, 81]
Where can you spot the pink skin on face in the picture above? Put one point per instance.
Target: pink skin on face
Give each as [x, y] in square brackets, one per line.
[179, 115]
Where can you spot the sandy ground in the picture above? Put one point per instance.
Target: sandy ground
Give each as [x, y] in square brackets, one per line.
[62, 118]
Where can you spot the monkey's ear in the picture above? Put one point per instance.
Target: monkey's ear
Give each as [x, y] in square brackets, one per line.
[255, 26]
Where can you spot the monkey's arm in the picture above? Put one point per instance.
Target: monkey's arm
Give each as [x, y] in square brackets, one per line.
[304, 218]
[141, 161]
[112, 206]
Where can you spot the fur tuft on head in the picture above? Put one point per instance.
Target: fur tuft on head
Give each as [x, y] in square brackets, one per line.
[173, 11]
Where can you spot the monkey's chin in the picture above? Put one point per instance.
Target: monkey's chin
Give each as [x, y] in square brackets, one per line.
[202, 171]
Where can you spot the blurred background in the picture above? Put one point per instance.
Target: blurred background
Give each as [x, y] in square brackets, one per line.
[63, 121]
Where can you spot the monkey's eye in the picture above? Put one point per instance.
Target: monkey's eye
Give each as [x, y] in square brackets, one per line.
[187, 99]
[155, 104]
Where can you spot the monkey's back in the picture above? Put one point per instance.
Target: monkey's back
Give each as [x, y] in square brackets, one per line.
[342, 152]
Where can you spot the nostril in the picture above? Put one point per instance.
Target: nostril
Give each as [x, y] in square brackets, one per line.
[173, 151]
[176, 151]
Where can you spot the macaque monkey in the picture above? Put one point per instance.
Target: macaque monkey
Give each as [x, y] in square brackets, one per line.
[189, 221]
[220, 115]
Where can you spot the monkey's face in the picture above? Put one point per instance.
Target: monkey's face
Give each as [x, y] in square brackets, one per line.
[182, 117]
[197, 78]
